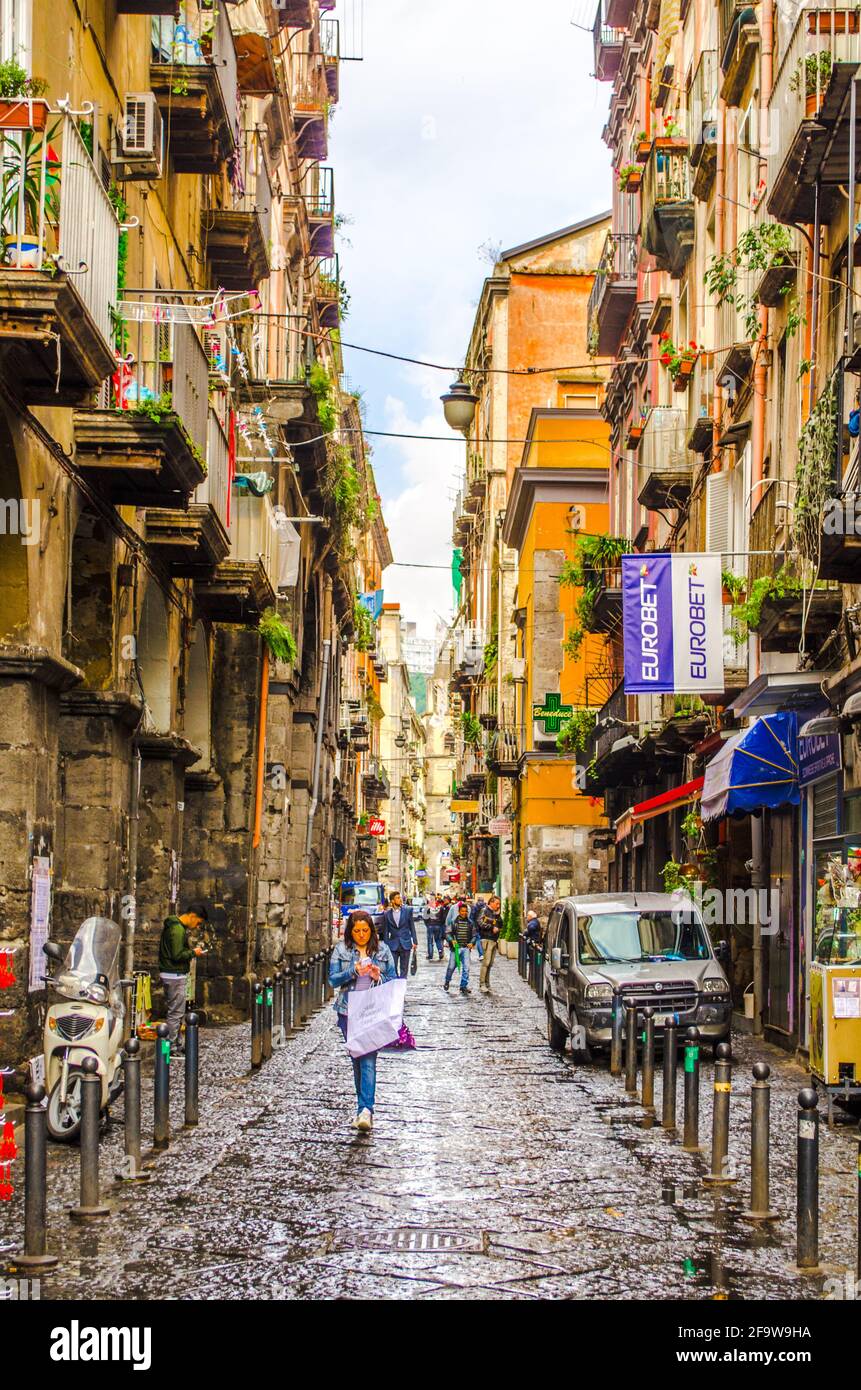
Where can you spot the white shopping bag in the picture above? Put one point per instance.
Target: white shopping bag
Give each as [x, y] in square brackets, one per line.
[374, 1017]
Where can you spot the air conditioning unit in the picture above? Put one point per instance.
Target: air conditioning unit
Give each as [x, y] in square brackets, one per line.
[138, 145]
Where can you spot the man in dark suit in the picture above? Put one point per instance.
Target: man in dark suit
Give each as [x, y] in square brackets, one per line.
[400, 933]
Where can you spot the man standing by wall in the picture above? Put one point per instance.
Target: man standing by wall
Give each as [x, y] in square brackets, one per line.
[400, 933]
[174, 958]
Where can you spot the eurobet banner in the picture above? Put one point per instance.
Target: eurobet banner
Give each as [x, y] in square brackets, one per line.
[673, 623]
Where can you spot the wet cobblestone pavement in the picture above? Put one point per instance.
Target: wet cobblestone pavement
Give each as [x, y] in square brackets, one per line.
[495, 1170]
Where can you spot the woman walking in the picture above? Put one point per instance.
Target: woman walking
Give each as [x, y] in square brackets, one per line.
[360, 962]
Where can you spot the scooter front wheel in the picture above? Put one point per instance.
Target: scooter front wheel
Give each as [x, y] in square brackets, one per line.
[64, 1119]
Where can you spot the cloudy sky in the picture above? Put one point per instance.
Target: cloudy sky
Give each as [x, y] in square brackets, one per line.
[468, 123]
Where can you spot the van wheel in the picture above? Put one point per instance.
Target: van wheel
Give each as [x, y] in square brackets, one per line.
[556, 1035]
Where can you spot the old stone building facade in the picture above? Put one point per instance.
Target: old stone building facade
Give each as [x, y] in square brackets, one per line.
[176, 611]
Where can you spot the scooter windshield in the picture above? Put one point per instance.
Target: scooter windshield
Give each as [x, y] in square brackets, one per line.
[91, 967]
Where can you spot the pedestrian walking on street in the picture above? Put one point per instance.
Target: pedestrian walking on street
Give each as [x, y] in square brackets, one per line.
[487, 920]
[533, 925]
[175, 955]
[360, 962]
[399, 934]
[461, 938]
[436, 928]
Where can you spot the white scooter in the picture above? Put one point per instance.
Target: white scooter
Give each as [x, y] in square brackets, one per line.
[86, 1023]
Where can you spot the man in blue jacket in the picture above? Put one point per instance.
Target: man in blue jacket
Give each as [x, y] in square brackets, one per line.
[400, 933]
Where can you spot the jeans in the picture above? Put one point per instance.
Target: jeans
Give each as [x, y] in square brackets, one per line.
[364, 1074]
[434, 939]
[401, 956]
[174, 995]
[490, 948]
[464, 966]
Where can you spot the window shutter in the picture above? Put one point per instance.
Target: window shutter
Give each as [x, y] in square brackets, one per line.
[718, 513]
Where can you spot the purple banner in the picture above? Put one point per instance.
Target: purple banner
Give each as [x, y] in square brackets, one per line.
[818, 756]
[647, 609]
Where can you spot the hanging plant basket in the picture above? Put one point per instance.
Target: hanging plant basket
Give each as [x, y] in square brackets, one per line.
[642, 149]
[685, 371]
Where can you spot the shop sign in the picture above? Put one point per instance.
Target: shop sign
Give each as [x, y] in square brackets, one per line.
[818, 756]
[377, 826]
[672, 623]
[500, 825]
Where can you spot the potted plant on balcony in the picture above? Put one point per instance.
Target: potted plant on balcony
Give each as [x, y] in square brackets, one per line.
[27, 195]
[22, 103]
[679, 362]
[635, 429]
[630, 178]
[642, 146]
[672, 137]
[814, 71]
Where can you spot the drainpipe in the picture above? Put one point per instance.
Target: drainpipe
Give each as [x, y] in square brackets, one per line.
[261, 748]
[760, 371]
[720, 209]
[130, 907]
[315, 791]
[757, 881]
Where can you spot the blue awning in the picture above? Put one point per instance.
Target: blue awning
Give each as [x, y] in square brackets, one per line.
[755, 768]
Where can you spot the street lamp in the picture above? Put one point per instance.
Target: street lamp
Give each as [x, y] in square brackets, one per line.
[459, 405]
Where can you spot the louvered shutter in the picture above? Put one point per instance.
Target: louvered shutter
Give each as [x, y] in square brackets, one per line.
[718, 487]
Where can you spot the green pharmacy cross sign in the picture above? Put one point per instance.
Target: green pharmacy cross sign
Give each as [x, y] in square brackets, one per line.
[552, 714]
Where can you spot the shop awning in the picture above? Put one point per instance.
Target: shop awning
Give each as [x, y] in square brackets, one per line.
[756, 768]
[668, 801]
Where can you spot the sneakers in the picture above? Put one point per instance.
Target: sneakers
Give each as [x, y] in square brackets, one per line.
[445, 986]
[364, 1120]
[465, 991]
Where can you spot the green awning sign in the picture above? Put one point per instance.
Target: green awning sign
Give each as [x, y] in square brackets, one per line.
[552, 714]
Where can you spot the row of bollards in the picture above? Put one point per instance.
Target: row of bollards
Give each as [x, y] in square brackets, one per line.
[624, 1043]
[279, 1007]
[283, 1003]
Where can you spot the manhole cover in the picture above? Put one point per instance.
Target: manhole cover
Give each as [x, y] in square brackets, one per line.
[409, 1238]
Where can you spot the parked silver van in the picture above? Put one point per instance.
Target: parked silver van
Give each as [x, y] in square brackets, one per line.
[653, 947]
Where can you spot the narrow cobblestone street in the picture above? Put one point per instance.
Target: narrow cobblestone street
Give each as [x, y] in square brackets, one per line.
[495, 1170]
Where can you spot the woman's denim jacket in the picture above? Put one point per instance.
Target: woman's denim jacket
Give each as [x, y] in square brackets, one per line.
[342, 970]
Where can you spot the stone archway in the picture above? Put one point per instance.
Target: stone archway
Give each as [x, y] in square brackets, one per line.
[14, 544]
[198, 705]
[153, 652]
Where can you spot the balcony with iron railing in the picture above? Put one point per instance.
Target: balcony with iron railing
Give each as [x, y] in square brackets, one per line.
[146, 441]
[329, 292]
[614, 292]
[330, 43]
[809, 113]
[607, 45]
[488, 701]
[467, 654]
[376, 783]
[237, 236]
[310, 114]
[738, 39]
[58, 277]
[702, 122]
[192, 540]
[476, 480]
[470, 768]
[193, 73]
[663, 461]
[247, 581]
[319, 200]
[666, 205]
[505, 746]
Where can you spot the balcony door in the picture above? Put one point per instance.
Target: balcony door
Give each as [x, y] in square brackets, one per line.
[16, 31]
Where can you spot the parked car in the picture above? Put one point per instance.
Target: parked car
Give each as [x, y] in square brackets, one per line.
[420, 908]
[652, 946]
[353, 894]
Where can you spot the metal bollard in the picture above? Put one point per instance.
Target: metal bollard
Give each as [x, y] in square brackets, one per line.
[277, 1009]
[289, 1001]
[631, 1049]
[616, 1027]
[161, 1090]
[691, 1140]
[132, 1169]
[304, 976]
[647, 1090]
[35, 1254]
[256, 1023]
[760, 1099]
[671, 1062]
[807, 1196]
[192, 1060]
[91, 1105]
[266, 1032]
[720, 1117]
